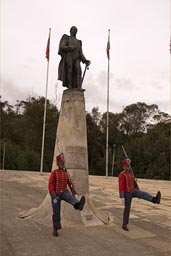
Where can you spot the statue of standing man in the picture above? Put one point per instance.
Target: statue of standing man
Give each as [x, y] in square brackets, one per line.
[69, 70]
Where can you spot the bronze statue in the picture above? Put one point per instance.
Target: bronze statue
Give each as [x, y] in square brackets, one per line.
[69, 70]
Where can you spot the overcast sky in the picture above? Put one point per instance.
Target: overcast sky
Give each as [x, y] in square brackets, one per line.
[140, 59]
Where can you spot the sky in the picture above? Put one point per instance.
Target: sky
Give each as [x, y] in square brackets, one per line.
[139, 54]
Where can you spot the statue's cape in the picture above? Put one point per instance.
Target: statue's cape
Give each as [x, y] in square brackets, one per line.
[63, 38]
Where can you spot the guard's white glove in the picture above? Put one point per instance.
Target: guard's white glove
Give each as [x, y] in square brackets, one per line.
[76, 196]
[123, 200]
[55, 200]
[54, 197]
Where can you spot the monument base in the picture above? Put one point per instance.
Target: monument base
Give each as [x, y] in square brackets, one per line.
[71, 139]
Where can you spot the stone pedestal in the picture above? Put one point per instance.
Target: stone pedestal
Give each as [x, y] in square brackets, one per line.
[71, 139]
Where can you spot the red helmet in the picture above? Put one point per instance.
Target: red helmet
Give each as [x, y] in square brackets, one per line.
[60, 158]
[126, 162]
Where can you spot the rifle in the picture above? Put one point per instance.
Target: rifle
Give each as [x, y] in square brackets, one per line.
[126, 156]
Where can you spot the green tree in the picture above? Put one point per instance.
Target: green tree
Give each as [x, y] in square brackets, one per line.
[95, 145]
[150, 152]
[139, 117]
[22, 129]
[141, 128]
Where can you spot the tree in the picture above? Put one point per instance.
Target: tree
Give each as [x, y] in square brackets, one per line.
[150, 152]
[95, 145]
[142, 129]
[22, 130]
[140, 117]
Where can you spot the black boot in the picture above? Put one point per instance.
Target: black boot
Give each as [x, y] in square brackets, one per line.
[124, 227]
[80, 204]
[157, 198]
[55, 232]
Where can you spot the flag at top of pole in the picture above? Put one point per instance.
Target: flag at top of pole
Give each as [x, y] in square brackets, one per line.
[108, 45]
[48, 46]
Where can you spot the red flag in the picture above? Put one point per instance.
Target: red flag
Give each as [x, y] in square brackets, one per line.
[48, 47]
[108, 46]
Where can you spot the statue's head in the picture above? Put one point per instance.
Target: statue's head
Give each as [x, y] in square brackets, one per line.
[73, 30]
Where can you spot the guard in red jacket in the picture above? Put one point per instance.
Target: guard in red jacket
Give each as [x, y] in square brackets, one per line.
[128, 188]
[58, 189]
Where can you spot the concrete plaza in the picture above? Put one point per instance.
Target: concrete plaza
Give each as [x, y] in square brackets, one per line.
[150, 225]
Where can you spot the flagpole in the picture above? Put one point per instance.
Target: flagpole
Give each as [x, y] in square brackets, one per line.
[45, 107]
[107, 115]
[113, 160]
[3, 161]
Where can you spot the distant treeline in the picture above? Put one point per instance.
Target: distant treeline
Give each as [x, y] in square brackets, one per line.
[142, 129]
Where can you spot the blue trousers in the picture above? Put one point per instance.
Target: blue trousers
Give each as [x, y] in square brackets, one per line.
[56, 217]
[128, 199]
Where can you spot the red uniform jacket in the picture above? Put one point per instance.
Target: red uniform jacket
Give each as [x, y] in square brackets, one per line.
[58, 182]
[126, 183]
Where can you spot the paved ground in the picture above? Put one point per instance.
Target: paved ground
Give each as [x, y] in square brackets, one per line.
[150, 225]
